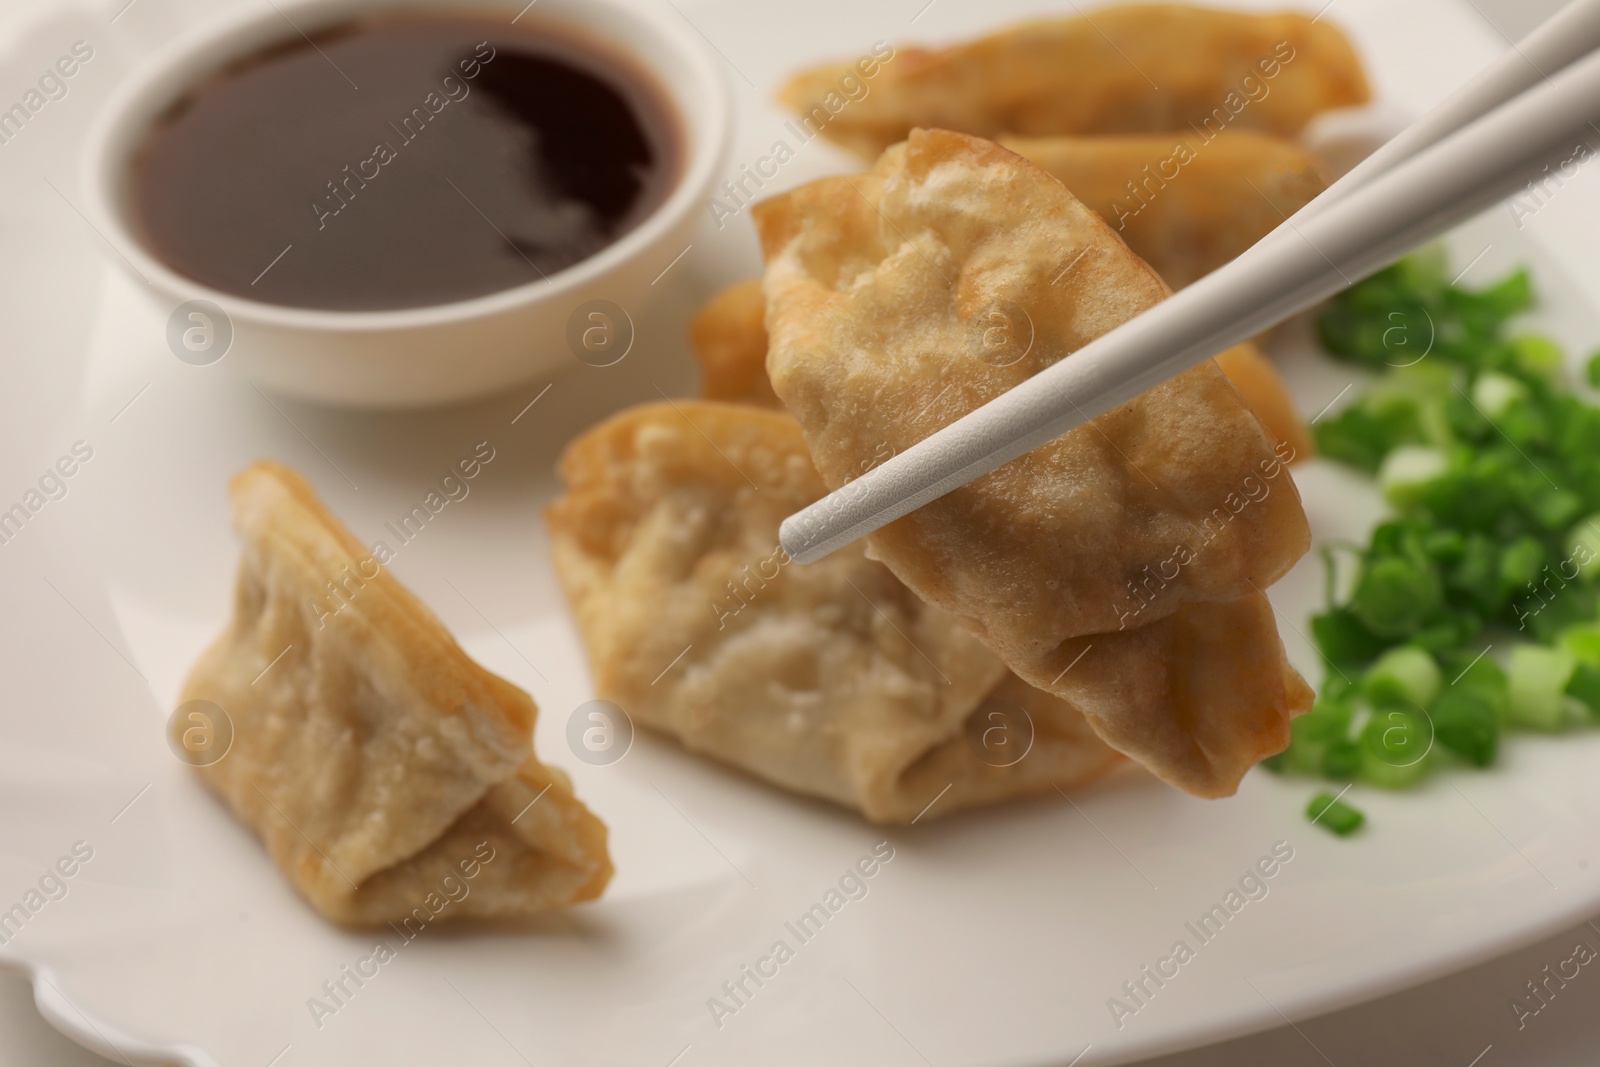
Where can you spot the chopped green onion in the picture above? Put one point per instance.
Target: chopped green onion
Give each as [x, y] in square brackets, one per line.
[1445, 546]
[1555, 509]
[1339, 687]
[1343, 640]
[1468, 724]
[1404, 472]
[1395, 745]
[1509, 295]
[1342, 759]
[1583, 547]
[1476, 575]
[1568, 605]
[1403, 675]
[1520, 564]
[1393, 596]
[1584, 686]
[1537, 355]
[1592, 370]
[1358, 437]
[1494, 394]
[1538, 677]
[1478, 674]
[1583, 641]
[1327, 722]
[1339, 818]
[1491, 465]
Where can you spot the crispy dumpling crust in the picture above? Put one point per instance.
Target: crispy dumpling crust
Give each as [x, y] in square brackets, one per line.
[1129, 68]
[881, 291]
[1200, 696]
[728, 336]
[1246, 623]
[1265, 394]
[1052, 742]
[1186, 204]
[374, 756]
[830, 679]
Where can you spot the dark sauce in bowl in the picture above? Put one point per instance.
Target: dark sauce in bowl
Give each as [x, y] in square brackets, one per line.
[403, 162]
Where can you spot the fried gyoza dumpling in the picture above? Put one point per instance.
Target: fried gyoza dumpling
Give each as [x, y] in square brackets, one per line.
[728, 336]
[1265, 394]
[729, 339]
[831, 679]
[1186, 204]
[383, 768]
[1133, 534]
[1135, 68]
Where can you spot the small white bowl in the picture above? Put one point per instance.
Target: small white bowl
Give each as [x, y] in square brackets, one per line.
[446, 352]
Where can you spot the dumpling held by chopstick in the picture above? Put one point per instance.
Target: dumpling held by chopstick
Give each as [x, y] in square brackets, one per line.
[1121, 566]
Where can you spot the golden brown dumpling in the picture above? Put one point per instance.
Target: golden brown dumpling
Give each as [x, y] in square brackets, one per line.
[729, 340]
[1131, 68]
[728, 336]
[1265, 394]
[831, 679]
[391, 777]
[1186, 204]
[882, 292]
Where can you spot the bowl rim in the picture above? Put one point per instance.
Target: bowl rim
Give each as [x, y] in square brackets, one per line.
[705, 127]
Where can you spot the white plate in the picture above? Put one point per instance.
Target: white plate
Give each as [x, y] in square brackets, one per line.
[993, 938]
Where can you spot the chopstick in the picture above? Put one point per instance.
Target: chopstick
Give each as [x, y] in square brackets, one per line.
[1559, 41]
[1438, 177]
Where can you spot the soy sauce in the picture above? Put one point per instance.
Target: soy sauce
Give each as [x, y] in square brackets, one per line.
[403, 162]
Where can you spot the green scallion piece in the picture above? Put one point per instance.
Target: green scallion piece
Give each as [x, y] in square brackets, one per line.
[1344, 640]
[1537, 355]
[1327, 722]
[1495, 394]
[1538, 678]
[1583, 547]
[1335, 815]
[1477, 673]
[1406, 470]
[1395, 748]
[1403, 675]
[1584, 687]
[1393, 596]
[1583, 641]
[1468, 724]
[1342, 759]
